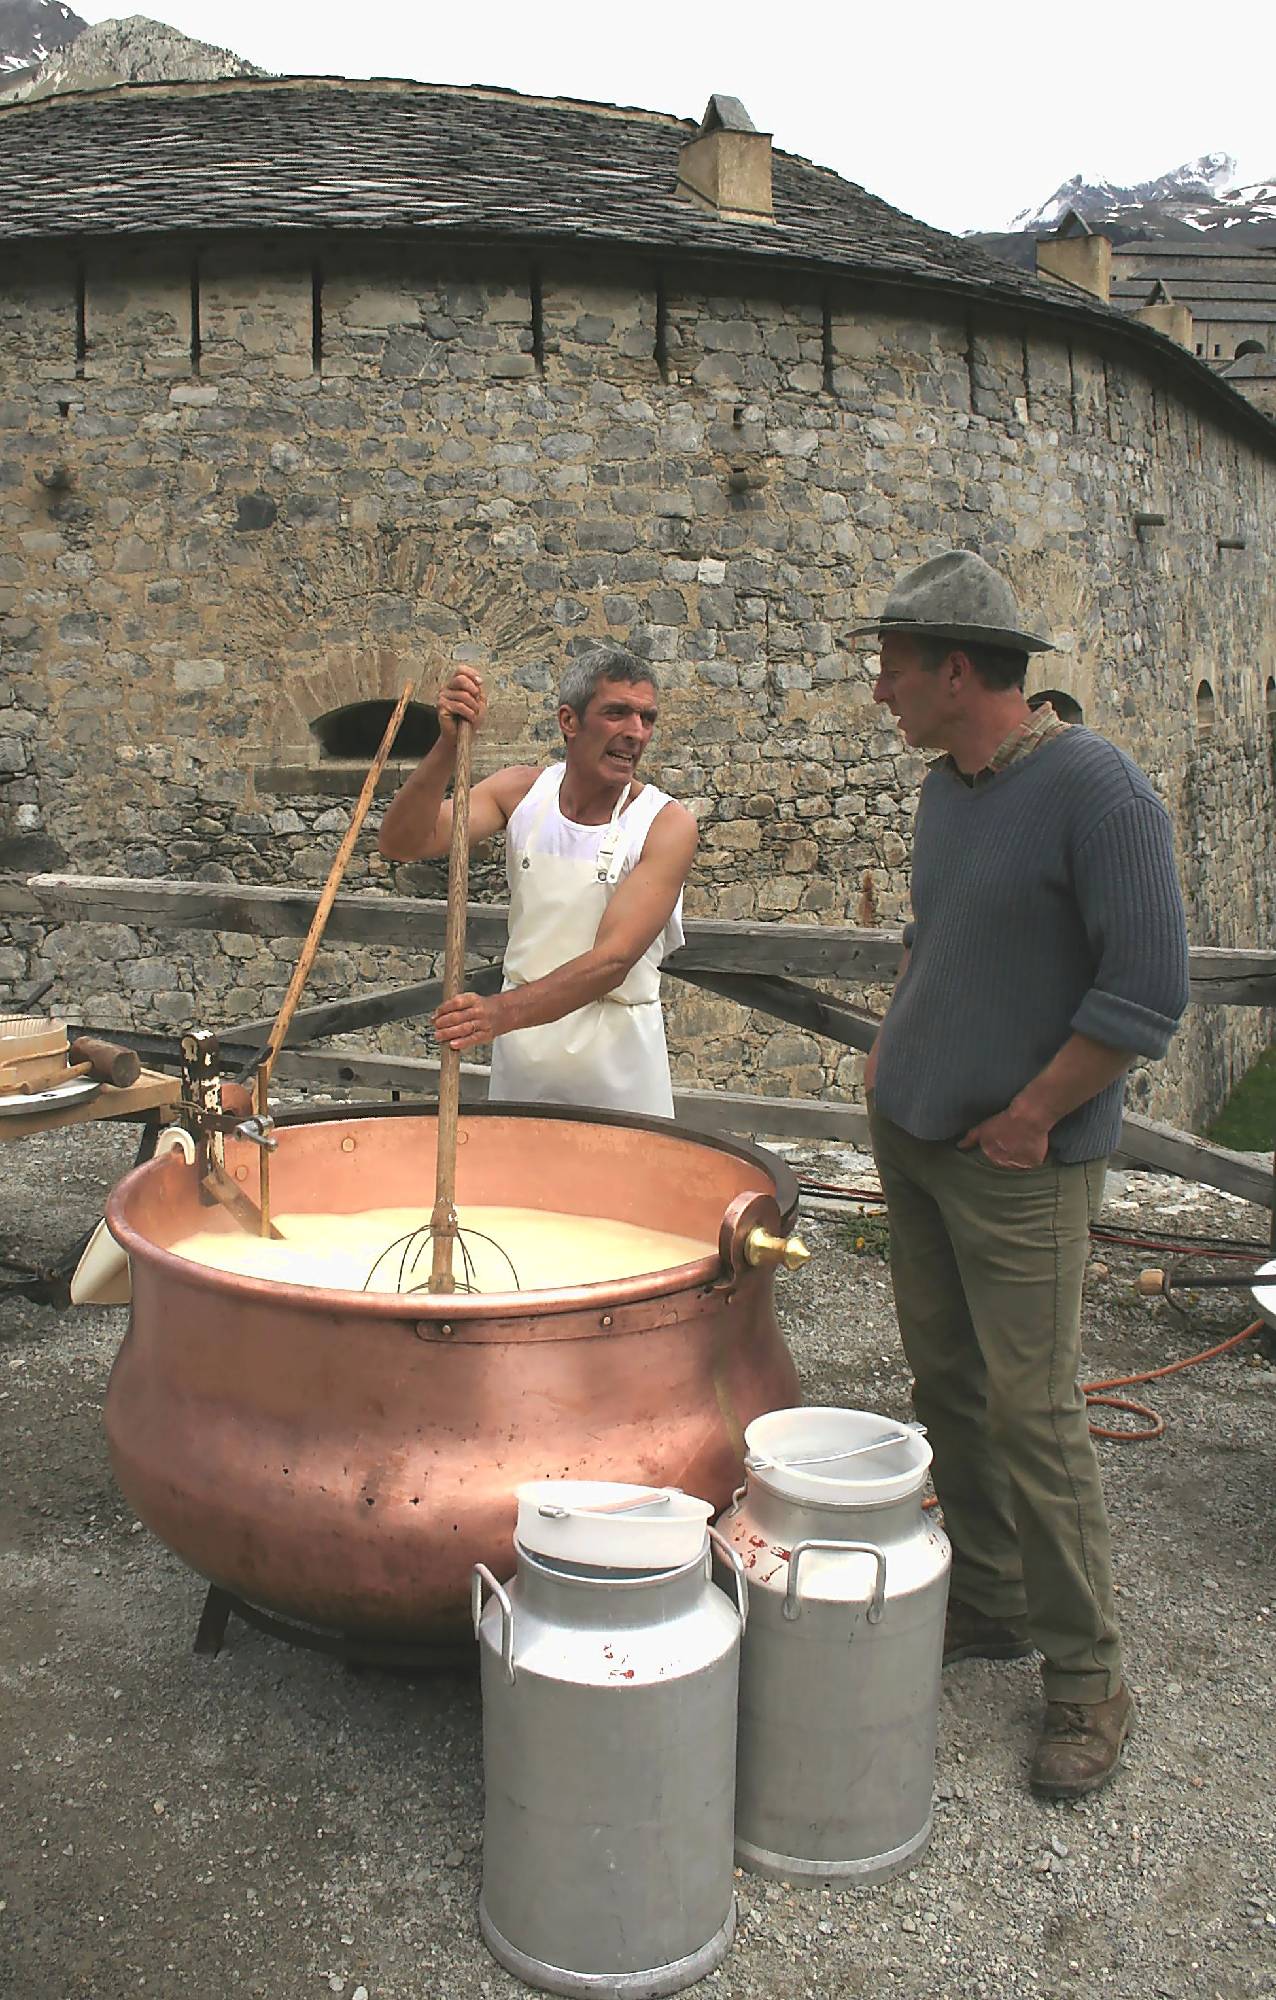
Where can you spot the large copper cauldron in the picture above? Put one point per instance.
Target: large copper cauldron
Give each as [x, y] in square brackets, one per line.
[344, 1458]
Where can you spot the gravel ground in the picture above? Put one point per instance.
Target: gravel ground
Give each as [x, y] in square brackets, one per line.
[270, 1824]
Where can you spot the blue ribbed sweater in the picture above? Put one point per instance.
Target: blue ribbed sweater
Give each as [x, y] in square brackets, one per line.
[1045, 902]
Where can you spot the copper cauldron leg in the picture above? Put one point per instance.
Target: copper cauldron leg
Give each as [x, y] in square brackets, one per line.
[446, 1654]
[213, 1620]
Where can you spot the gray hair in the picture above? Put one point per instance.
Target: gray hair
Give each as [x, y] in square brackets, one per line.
[582, 676]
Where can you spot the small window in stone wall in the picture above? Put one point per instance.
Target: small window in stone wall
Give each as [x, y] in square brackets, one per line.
[1271, 705]
[1065, 706]
[353, 733]
[1204, 708]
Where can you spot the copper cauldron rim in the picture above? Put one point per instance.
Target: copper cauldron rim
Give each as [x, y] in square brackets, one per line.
[699, 1273]
[774, 1165]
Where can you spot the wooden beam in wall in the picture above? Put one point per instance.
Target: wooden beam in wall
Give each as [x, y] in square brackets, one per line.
[368, 1010]
[1244, 978]
[1163, 1149]
[861, 956]
[1232, 978]
[786, 1000]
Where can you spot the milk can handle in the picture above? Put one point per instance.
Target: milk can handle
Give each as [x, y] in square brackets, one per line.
[792, 1596]
[483, 1575]
[728, 1554]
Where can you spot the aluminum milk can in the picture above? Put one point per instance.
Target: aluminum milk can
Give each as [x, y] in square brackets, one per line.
[609, 1722]
[840, 1665]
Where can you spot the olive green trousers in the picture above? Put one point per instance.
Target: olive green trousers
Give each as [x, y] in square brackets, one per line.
[987, 1265]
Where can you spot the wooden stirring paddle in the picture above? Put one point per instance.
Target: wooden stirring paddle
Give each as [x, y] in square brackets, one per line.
[443, 1229]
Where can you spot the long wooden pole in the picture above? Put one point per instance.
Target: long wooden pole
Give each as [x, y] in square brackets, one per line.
[443, 1216]
[323, 909]
[309, 950]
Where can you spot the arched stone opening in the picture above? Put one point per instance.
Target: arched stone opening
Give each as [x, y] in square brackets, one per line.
[1250, 347]
[1204, 708]
[1065, 706]
[354, 731]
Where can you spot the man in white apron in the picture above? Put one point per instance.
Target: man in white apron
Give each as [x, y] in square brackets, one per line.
[596, 860]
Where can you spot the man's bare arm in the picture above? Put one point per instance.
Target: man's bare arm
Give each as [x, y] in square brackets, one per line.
[634, 918]
[418, 823]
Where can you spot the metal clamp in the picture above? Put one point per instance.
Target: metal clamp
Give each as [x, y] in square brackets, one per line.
[737, 1499]
[259, 1130]
[483, 1575]
[792, 1597]
[729, 1555]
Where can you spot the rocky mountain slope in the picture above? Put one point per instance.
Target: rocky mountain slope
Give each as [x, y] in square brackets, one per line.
[31, 30]
[131, 50]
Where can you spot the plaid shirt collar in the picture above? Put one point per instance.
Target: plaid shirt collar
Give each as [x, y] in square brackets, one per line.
[1023, 739]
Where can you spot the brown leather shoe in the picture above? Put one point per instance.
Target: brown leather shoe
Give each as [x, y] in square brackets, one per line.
[973, 1635]
[1080, 1745]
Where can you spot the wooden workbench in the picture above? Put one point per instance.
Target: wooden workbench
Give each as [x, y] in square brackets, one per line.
[152, 1095]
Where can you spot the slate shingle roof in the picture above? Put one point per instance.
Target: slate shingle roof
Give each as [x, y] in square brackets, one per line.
[312, 156]
[318, 155]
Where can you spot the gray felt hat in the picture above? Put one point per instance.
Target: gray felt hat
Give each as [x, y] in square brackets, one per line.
[957, 596]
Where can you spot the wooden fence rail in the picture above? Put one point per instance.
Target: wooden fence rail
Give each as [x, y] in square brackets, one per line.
[1245, 978]
[759, 966]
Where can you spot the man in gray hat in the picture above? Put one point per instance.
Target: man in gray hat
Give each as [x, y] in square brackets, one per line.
[1047, 950]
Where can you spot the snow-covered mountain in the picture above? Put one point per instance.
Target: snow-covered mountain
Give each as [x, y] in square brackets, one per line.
[1197, 186]
[30, 30]
[131, 50]
[1208, 196]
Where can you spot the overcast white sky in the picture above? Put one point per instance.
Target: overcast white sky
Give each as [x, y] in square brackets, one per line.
[961, 115]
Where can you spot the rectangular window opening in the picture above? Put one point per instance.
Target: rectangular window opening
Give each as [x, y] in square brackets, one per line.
[537, 295]
[81, 319]
[197, 341]
[661, 349]
[316, 319]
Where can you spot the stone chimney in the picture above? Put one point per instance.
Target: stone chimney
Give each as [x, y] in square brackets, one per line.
[726, 168]
[1074, 255]
[1162, 311]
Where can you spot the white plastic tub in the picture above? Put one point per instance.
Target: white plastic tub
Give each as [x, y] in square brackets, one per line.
[609, 1525]
[843, 1473]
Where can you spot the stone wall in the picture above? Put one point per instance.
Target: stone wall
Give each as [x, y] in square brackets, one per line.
[237, 497]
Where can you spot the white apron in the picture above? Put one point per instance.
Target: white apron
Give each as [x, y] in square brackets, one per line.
[611, 1052]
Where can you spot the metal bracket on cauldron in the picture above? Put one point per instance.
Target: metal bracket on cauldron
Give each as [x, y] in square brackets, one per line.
[201, 1102]
[204, 1111]
[210, 1124]
[749, 1237]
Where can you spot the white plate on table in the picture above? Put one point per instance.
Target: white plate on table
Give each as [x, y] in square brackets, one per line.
[59, 1097]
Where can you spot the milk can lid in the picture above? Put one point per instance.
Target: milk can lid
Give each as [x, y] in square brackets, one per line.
[611, 1524]
[836, 1458]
